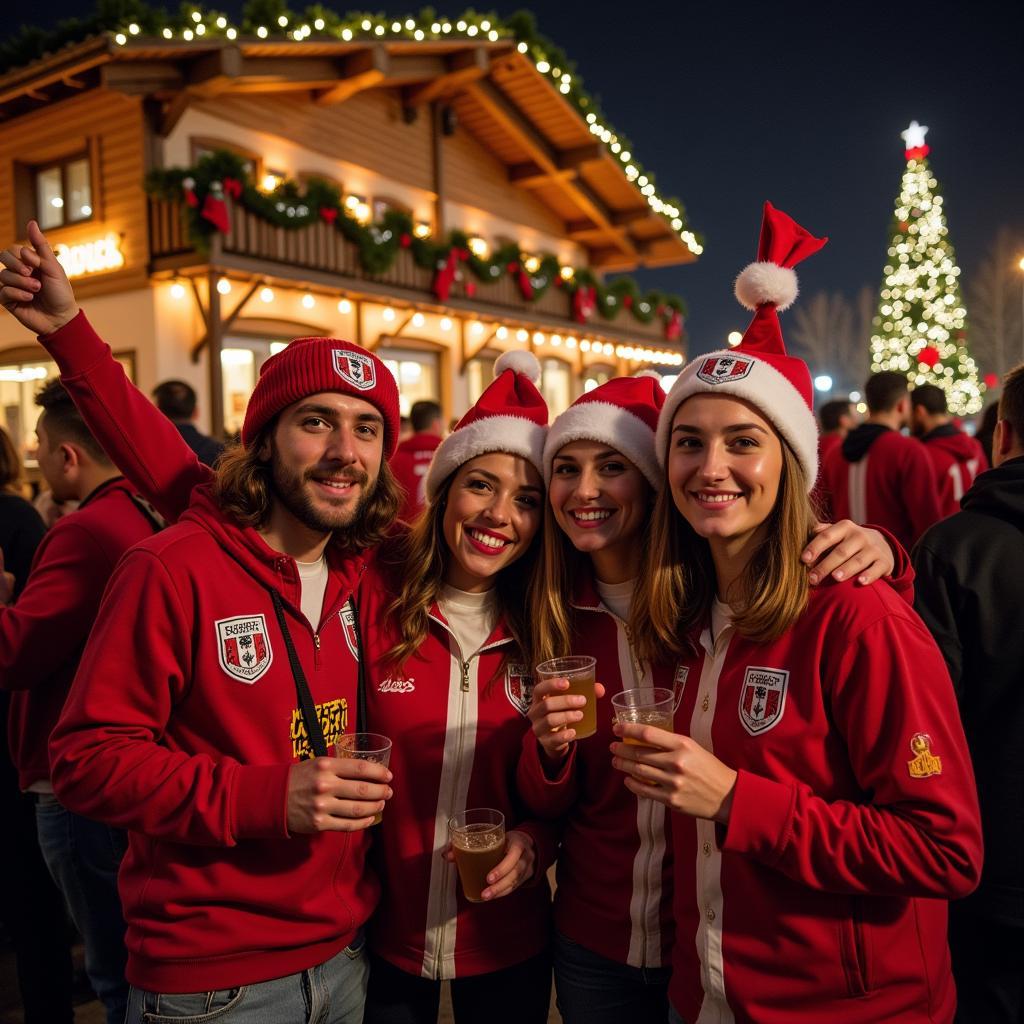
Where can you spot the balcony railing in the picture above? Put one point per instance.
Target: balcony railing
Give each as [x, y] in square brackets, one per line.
[321, 249]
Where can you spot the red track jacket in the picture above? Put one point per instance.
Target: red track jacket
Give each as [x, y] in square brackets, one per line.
[410, 464]
[43, 634]
[958, 458]
[854, 820]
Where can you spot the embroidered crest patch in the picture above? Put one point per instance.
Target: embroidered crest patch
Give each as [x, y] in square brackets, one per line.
[348, 627]
[763, 698]
[518, 686]
[243, 647]
[925, 763]
[355, 368]
[719, 369]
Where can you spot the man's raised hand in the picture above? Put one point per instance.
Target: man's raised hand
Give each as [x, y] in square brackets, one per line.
[33, 286]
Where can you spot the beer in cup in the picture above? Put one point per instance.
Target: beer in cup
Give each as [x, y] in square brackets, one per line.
[579, 670]
[367, 746]
[478, 842]
[646, 706]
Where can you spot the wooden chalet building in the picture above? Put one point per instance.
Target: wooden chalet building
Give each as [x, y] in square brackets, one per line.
[461, 129]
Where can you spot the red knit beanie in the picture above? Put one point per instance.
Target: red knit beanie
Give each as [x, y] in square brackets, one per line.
[310, 365]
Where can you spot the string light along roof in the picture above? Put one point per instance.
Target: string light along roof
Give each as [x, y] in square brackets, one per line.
[194, 27]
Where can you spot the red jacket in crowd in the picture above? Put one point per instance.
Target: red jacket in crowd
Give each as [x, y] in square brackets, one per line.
[43, 634]
[182, 726]
[457, 725]
[615, 867]
[410, 464]
[879, 476]
[958, 458]
[854, 819]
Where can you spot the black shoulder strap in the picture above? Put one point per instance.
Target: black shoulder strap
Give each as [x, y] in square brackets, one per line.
[313, 728]
[361, 723]
[150, 514]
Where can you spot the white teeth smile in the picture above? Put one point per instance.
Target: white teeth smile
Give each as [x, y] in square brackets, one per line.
[590, 517]
[717, 498]
[487, 540]
[338, 485]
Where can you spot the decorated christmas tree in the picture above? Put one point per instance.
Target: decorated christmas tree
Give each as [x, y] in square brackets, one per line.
[920, 328]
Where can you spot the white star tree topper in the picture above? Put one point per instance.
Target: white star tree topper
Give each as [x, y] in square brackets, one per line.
[913, 137]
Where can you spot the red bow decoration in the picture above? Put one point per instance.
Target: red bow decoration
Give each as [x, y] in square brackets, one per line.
[674, 326]
[584, 301]
[328, 214]
[233, 188]
[405, 241]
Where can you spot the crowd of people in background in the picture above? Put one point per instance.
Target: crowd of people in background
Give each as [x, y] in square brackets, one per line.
[831, 827]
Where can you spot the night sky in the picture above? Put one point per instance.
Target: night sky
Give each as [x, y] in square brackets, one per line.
[732, 104]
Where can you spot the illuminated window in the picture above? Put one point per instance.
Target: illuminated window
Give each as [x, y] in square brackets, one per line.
[63, 192]
[556, 385]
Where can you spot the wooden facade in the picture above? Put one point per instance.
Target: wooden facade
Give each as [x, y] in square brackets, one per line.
[460, 136]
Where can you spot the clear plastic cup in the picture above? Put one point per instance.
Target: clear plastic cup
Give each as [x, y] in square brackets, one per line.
[646, 706]
[366, 746]
[478, 842]
[579, 670]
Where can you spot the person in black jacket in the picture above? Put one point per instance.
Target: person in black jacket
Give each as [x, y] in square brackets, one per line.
[970, 592]
[177, 401]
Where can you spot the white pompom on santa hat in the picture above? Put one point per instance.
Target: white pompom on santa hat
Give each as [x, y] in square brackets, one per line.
[511, 416]
[621, 413]
[758, 370]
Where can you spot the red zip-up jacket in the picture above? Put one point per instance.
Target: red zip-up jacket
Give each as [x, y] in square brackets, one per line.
[43, 634]
[879, 476]
[614, 891]
[958, 458]
[182, 725]
[854, 819]
[457, 725]
[410, 464]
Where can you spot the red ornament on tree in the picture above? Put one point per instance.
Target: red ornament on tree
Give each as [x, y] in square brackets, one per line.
[928, 355]
[405, 241]
[991, 380]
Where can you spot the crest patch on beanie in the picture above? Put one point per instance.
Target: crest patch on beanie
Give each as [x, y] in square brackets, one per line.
[355, 368]
[720, 369]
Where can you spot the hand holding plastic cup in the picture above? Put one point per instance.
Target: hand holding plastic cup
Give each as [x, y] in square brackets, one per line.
[650, 706]
[365, 746]
[579, 670]
[478, 842]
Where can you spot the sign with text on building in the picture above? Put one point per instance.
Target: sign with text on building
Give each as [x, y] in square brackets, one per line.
[95, 257]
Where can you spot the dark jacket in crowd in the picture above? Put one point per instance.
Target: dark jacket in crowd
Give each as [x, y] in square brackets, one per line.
[970, 592]
[206, 448]
[21, 530]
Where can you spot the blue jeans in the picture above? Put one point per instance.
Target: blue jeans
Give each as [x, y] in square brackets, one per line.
[83, 856]
[331, 993]
[592, 989]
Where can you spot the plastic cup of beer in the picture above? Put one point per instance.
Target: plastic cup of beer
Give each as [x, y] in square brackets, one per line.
[478, 842]
[366, 746]
[646, 706]
[579, 670]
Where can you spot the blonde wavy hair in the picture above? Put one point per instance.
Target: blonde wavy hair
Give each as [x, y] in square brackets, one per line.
[678, 583]
[417, 561]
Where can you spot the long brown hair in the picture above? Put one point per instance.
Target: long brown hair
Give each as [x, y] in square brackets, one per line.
[243, 487]
[417, 562]
[678, 582]
[10, 465]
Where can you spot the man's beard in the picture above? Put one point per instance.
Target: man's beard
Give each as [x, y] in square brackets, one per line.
[290, 490]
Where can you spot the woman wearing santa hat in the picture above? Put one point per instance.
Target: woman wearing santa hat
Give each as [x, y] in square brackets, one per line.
[448, 661]
[824, 803]
[613, 912]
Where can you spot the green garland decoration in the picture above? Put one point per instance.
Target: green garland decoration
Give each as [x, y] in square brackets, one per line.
[293, 206]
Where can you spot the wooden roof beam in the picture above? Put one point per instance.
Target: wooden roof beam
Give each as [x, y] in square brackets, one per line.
[502, 110]
[573, 159]
[622, 218]
[363, 70]
[531, 175]
[138, 78]
[215, 72]
[461, 68]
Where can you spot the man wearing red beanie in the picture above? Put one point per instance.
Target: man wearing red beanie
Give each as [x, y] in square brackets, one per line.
[223, 665]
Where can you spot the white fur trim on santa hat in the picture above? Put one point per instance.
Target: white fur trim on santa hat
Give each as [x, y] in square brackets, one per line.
[760, 283]
[764, 388]
[608, 424]
[515, 435]
[521, 361]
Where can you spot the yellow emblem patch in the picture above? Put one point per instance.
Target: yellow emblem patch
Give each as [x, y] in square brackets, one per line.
[925, 763]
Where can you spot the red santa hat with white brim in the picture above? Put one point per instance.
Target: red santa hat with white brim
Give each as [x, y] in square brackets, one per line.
[758, 370]
[621, 413]
[511, 416]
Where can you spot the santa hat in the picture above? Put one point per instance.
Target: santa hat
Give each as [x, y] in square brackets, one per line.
[510, 416]
[758, 370]
[308, 366]
[622, 413]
